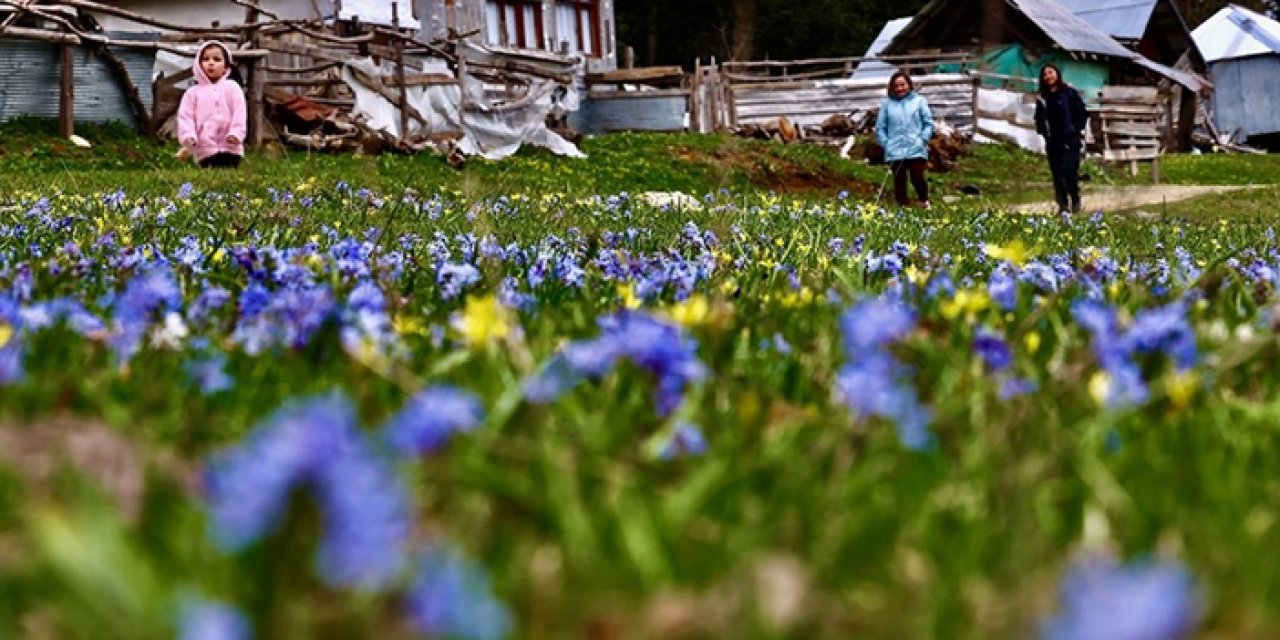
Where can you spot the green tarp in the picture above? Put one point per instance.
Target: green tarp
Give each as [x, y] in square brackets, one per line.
[1013, 60]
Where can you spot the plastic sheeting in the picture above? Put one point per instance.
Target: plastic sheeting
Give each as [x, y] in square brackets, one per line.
[1015, 122]
[492, 131]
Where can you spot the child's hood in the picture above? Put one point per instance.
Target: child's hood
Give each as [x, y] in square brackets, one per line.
[201, 76]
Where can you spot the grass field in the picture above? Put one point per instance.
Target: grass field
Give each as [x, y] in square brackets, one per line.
[332, 397]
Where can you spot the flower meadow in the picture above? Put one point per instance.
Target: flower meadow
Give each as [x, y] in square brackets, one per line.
[349, 413]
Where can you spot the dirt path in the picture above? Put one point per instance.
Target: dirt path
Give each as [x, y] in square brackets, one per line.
[1121, 198]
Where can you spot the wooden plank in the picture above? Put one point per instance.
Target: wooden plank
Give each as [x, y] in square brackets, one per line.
[637, 95]
[642, 75]
[1131, 128]
[1123, 155]
[777, 64]
[1127, 93]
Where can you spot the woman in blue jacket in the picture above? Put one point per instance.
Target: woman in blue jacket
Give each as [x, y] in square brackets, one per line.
[904, 128]
[1061, 118]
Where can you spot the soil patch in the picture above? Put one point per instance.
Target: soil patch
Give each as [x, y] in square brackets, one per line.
[763, 168]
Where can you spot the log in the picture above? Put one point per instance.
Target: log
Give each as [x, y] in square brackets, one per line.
[381, 89]
[89, 5]
[43, 35]
[131, 93]
[645, 75]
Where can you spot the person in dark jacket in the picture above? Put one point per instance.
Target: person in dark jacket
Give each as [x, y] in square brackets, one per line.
[904, 127]
[1061, 119]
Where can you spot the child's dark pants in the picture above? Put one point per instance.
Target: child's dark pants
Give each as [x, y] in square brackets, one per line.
[221, 161]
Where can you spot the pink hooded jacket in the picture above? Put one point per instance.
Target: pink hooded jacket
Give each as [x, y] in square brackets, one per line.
[211, 111]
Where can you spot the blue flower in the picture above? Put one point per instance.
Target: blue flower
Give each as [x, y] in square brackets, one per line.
[1014, 387]
[314, 444]
[208, 620]
[453, 278]
[1144, 600]
[993, 350]
[653, 345]
[1164, 330]
[874, 323]
[209, 374]
[451, 597]
[685, 440]
[874, 383]
[431, 417]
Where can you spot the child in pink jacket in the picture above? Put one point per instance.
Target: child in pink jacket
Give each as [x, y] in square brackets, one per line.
[211, 118]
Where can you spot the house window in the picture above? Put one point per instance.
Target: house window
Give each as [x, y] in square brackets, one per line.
[514, 23]
[577, 26]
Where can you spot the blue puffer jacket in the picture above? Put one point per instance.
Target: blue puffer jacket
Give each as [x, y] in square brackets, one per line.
[904, 127]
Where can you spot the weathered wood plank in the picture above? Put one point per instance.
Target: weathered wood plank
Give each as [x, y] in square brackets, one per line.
[1130, 94]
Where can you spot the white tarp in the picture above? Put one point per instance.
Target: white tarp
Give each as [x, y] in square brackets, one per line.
[491, 131]
[1009, 116]
[377, 12]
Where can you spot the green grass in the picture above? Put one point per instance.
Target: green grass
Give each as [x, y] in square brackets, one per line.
[584, 531]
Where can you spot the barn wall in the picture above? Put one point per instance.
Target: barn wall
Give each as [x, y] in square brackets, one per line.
[29, 82]
[1243, 99]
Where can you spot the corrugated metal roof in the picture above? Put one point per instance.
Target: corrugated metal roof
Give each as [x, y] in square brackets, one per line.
[1125, 19]
[1068, 31]
[1236, 32]
[876, 68]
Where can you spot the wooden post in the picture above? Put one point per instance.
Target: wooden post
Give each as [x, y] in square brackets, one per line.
[400, 83]
[257, 124]
[629, 58]
[695, 98]
[462, 93]
[67, 92]
[977, 81]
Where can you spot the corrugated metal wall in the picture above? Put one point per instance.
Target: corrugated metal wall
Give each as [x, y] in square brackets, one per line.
[29, 82]
[1243, 99]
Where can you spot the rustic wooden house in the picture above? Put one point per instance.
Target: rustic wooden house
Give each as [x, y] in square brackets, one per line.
[1243, 51]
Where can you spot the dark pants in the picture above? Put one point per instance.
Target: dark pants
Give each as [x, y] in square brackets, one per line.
[221, 161]
[1064, 163]
[914, 167]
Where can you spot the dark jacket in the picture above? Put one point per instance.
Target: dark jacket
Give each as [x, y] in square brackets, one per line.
[1061, 116]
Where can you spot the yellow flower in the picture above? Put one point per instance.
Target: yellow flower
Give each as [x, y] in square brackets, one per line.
[6, 334]
[1015, 252]
[484, 319]
[628, 294]
[798, 298]
[1181, 388]
[218, 255]
[966, 302]
[915, 276]
[692, 311]
[406, 325]
[1032, 342]
[1100, 386]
